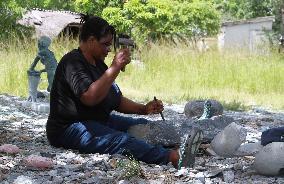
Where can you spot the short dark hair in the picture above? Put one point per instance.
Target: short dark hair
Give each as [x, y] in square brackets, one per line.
[95, 26]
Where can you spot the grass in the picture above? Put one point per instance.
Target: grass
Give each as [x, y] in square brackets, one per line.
[234, 106]
[15, 59]
[177, 74]
[173, 73]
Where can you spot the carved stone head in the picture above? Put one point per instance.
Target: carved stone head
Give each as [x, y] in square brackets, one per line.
[44, 42]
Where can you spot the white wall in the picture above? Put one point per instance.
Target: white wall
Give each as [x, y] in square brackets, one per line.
[246, 35]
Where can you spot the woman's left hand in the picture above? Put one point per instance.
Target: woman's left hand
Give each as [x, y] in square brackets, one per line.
[154, 107]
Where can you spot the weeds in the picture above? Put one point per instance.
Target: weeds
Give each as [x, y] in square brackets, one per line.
[130, 168]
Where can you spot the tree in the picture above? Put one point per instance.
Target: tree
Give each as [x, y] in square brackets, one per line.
[154, 19]
[10, 12]
[118, 19]
[47, 4]
[278, 7]
[243, 9]
[96, 7]
[198, 18]
[143, 19]
[151, 19]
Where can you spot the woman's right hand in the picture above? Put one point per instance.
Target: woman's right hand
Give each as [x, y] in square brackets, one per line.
[122, 58]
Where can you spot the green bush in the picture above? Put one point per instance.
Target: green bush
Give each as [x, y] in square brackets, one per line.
[154, 19]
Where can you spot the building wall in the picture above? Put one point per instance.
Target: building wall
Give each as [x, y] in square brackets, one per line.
[243, 36]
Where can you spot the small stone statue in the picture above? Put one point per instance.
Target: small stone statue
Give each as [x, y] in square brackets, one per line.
[47, 58]
[207, 111]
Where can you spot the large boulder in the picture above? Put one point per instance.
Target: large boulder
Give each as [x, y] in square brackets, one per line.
[195, 108]
[171, 131]
[270, 159]
[249, 149]
[156, 133]
[227, 142]
[212, 126]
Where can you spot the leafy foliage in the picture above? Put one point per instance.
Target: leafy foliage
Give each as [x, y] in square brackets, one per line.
[151, 19]
[198, 18]
[9, 13]
[96, 7]
[244, 9]
[278, 6]
[117, 18]
[155, 19]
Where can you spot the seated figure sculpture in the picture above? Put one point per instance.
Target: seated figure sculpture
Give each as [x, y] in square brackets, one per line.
[47, 58]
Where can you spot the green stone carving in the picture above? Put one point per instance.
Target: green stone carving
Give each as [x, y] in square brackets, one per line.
[207, 111]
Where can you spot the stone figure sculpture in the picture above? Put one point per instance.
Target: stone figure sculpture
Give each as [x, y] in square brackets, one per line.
[207, 111]
[48, 59]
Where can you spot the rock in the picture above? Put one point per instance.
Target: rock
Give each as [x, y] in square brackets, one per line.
[38, 162]
[249, 149]
[41, 107]
[91, 180]
[57, 180]
[195, 108]
[270, 159]
[123, 182]
[210, 152]
[229, 140]
[212, 173]
[156, 133]
[9, 148]
[200, 176]
[228, 176]
[23, 180]
[172, 170]
[238, 166]
[212, 126]
[182, 172]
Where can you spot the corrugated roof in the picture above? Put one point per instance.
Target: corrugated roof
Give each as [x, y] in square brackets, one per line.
[49, 23]
[249, 21]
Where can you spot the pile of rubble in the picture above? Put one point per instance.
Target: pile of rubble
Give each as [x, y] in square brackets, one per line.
[25, 128]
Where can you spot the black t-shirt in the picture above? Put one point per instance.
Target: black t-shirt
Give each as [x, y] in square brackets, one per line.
[73, 77]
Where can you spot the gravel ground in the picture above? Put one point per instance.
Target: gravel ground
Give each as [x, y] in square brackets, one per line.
[25, 128]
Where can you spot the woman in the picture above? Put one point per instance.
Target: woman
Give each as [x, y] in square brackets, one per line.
[84, 94]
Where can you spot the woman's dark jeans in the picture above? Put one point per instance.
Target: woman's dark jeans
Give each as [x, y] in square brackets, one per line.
[111, 138]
